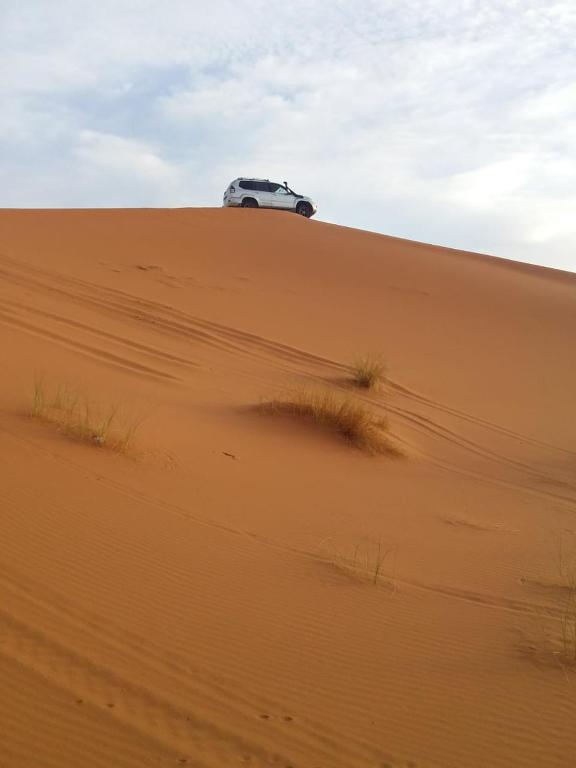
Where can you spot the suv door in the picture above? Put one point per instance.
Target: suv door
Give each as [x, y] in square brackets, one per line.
[280, 197]
[262, 190]
[264, 195]
[256, 189]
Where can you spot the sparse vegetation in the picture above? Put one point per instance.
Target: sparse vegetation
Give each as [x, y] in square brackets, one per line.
[567, 572]
[342, 414]
[38, 399]
[79, 417]
[368, 372]
[568, 627]
[562, 646]
[566, 563]
[369, 561]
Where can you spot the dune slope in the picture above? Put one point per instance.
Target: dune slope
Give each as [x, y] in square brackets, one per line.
[240, 589]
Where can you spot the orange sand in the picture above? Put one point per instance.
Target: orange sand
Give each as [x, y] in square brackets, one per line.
[200, 599]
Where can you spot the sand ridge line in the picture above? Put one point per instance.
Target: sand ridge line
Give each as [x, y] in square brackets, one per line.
[426, 422]
[428, 425]
[169, 319]
[450, 467]
[154, 352]
[491, 426]
[109, 358]
[488, 600]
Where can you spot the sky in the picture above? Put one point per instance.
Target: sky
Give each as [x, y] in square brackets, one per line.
[445, 121]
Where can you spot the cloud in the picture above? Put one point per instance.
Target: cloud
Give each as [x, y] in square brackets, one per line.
[129, 172]
[444, 122]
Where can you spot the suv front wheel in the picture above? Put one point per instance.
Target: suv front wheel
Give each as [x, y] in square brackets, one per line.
[304, 209]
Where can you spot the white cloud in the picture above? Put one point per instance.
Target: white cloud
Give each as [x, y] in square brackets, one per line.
[448, 121]
[104, 152]
[492, 185]
[129, 172]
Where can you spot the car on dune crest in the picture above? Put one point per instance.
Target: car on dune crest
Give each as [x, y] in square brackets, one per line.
[263, 193]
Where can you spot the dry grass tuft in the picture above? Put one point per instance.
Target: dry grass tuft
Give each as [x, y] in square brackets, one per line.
[79, 417]
[568, 628]
[561, 648]
[369, 562]
[38, 399]
[566, 563]
[330, 410]
[368, 372]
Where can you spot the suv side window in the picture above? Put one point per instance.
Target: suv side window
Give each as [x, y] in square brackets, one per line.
[254, 186]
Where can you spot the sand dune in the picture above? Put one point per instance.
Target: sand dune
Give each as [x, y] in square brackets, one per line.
[238, 589]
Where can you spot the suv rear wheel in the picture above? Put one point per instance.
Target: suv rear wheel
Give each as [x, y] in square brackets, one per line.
[304, 209]
[249, 202]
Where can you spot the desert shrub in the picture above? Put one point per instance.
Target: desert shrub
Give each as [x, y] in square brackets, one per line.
[368, 372]
[568, 628]
[78, 416]
[342, 414]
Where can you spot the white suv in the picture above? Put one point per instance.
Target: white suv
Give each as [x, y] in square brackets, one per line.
[262, 193]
